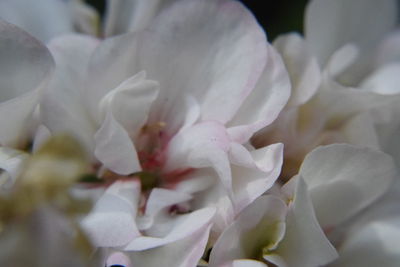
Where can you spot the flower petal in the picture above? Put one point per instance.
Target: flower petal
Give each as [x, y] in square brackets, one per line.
[253, 176]
[25, 67]
[344, 179]
[44, 19]
[375, 244]
[111, 223]
[304, 243]
[129, 16]
[114, 147]
[205, 48]
[260, 225]
[265, 102]
[130, 102]
[183, 227]
[331, 24]
[63, 103]
[171, 254]
[302, 66]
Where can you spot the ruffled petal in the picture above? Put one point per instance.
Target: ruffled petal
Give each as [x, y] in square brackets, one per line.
[265, 102]
[114, 147]
[130, 102]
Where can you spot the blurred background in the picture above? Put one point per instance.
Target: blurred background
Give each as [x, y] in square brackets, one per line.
[275, 16]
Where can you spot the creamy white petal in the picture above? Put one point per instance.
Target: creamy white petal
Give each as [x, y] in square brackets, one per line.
[343, 179]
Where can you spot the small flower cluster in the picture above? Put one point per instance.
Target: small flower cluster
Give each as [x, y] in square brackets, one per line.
[182, 137]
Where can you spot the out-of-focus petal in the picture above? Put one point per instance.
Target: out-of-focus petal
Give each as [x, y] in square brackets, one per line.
[303, 68]
[385, 80]
[375, 244]
[63, 103]
[331, 24]
[344, 179]
[25, 67]
[127, 16]
[44, 19]
[11, 161]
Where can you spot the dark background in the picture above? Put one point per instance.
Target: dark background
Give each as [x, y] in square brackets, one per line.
[276, 16]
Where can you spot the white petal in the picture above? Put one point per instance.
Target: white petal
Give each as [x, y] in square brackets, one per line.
[44, 19]
[303, 68]
[11, 161]
[265, 102]
[344, 179]
[130, 102]
[254, 176]
[260, 225]
[375, 244]
[202, 145]
[111, 223]
[304, 243]
[63, 107]
[182, 253]
[184, 226]
[205, 48]
[25, 67]
[331, 24]
[114, 147]
[384, 80]
[161, 198]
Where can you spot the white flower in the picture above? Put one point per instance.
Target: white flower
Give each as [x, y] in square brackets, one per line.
[179, 134]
